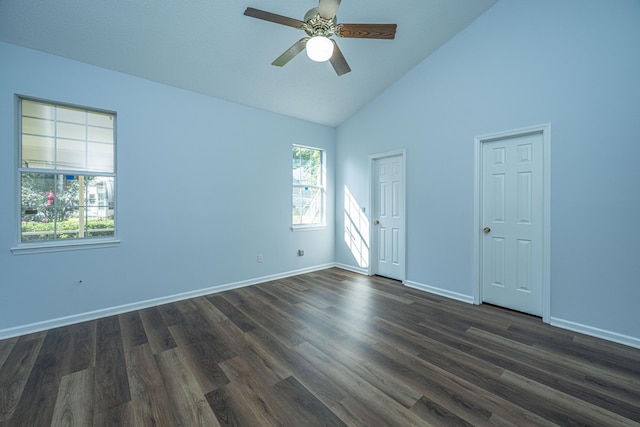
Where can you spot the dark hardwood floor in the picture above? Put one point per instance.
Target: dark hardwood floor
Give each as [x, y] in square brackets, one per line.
[325, 348]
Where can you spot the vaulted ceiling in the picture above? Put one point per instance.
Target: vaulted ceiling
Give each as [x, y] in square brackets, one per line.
[210, 47]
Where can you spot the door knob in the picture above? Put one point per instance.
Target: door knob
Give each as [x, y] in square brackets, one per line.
[486, 229]
[376, 222]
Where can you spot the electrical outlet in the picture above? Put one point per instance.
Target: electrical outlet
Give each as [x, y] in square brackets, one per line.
[300, 252]
[259, 258]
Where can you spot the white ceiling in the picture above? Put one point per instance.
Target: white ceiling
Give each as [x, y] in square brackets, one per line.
[210, 47]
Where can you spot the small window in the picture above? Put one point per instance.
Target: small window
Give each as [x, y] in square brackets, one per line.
[308, 187]
[66, 172]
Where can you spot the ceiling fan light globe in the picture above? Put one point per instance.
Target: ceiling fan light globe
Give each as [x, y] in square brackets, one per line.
[319, 48]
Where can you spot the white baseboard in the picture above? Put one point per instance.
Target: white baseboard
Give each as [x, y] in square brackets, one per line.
[352, 268]
[553, 321]
[439, 291]
[111, 311]
[97, 314]
[595, 332]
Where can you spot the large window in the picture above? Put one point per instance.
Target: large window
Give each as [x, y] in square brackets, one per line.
[308, 187]
[66, 171]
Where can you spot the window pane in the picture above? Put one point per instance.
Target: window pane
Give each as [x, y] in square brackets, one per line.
[55, 138]
[37, 152]
[100, 157]
[71, 131]
[104, 120]
[71, 115]
[38, 109]
[307, 206]
[67, 206]
[100, 134]
[71, 154]
[99, 204]
[37, 126]
[58, 206]
[37, 206]
[306, 165]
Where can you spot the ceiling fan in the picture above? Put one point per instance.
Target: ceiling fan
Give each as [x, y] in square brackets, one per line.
[320, 24]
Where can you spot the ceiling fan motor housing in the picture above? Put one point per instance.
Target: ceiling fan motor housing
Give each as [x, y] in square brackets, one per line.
[315, 25]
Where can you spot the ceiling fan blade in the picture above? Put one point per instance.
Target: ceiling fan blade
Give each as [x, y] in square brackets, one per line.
[327, 8]
[272, 17]
[290, 53]
[367, 31]
[338, 61]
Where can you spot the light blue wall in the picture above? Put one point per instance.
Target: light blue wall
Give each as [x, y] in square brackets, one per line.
[574, 64]
[204, 186]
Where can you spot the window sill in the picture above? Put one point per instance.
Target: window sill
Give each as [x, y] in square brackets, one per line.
[307, 227]
[42, 247]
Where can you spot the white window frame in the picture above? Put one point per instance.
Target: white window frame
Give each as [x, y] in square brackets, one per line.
[322, 187]
[41, 246]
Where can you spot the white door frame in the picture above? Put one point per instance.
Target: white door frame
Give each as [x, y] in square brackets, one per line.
[545, 130]
[373, 244]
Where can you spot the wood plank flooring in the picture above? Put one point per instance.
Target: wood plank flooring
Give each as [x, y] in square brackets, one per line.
[329, 348]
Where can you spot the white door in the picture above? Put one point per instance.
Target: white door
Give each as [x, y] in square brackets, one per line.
[512, 221]
[388, 216]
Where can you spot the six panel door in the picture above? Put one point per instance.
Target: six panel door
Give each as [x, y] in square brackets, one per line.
[389, 211]
[512, 218]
